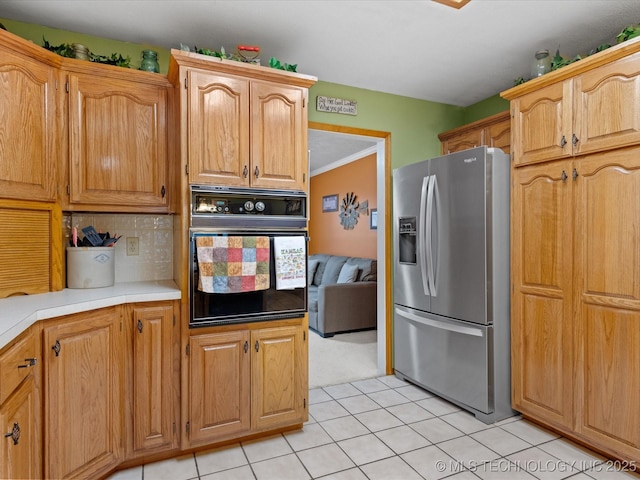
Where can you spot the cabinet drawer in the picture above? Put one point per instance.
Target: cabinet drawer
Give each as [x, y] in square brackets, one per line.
[15, 365]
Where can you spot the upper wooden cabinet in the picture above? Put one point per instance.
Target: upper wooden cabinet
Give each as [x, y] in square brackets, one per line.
[591, 106]
[493, 131]
[118, 138]
[242, 125]
[28, 110]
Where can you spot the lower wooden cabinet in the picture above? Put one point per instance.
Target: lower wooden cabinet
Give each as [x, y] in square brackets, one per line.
[247, 380]
[83, 363]
[152, 408]
[20, 425]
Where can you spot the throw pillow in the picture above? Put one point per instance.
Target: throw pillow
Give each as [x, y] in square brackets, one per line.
[312, 266]
[348, 273]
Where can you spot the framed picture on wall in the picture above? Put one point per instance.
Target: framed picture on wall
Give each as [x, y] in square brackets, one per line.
[330, 203]
[373, 219]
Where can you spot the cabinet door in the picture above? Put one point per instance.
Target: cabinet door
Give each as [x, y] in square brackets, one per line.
[279, 377]
[27, 109]
[607, 106]
[499, 136]
[608, 300]
[278, 136]
[218, 129]
[82, 392]
[20, 455]
[153, 390]
[118, 142]
[463, 141]
[219, 398]
[542, 124]
[542, 331]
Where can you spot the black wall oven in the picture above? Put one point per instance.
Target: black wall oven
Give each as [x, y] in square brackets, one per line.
[247, 251]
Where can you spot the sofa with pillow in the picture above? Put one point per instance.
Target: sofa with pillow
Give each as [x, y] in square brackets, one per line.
[342, 294]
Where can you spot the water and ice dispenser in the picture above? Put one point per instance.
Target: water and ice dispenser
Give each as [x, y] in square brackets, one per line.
[408, 237]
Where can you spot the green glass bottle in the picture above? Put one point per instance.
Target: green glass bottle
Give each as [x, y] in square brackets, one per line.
[150, 61]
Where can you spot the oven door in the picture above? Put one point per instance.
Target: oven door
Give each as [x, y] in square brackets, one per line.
[211, 305]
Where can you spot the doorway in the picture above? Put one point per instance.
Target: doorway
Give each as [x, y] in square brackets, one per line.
[380, 143]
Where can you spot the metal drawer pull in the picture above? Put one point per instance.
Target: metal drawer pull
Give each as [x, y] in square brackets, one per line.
[56, 347]
[575, 174]
[563, 176]
[140, 325]
[14, 434]
[245, 172]
[257, 346]
[30, 363]
[256, 172]
[574, 140]
[246, 347]
[563, 141]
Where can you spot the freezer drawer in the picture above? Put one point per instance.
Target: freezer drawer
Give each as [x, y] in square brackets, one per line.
[448, 357]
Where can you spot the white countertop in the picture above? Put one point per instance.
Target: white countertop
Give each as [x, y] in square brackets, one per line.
[19, 313]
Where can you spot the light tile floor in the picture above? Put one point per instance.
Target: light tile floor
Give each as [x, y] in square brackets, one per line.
[387, 429]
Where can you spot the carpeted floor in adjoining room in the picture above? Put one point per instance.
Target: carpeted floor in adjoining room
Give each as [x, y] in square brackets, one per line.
[343, 358]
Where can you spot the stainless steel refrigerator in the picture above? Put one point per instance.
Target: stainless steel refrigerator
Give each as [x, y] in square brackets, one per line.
[451, 331]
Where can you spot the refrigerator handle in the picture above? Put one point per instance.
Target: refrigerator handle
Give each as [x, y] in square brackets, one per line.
[431, 205]
[422, 247]
[475, 332]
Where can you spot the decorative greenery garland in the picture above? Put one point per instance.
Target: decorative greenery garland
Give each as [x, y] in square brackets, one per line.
[65, 50]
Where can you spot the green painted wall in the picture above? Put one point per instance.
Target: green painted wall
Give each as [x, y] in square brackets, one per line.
[414, 124]
[486, 107]
[97, 45]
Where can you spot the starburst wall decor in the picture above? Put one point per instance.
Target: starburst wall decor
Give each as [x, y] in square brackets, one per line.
[350, 210]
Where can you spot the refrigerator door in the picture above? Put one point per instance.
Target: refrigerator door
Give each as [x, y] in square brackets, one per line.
[447, 357]
[410, 192]
[456, 236]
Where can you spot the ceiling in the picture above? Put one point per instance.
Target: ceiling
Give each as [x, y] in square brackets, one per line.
[418, 48]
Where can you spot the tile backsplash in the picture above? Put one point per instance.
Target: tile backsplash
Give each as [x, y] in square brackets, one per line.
[155, 234]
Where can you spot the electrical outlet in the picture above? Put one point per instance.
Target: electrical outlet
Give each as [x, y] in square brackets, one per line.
[133, 246]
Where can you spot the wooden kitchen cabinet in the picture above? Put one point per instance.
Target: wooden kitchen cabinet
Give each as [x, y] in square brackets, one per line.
[219, 386]
[493, 131]
[83, 364]
[21, 428]
[247, 380]
[576, 281]
[594, 111]
[542, 326]
[28, 148]
[607, 297]
[152, 412]
[243, 125]
[118, 139]
[279, 377]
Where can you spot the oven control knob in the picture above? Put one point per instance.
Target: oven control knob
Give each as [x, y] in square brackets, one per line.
[248, 205]
[260, 206]
[226, 209]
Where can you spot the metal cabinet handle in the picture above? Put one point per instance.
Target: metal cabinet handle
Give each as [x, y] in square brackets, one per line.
[257, 346]
[574, 140]
[563, 176]
[563, 141]
[245, 172]
[14, 434]
[31, 362]
[256, 172]
[140, 325]
[574, 174]
[163, 191]
[246, 346]
[56, 347]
